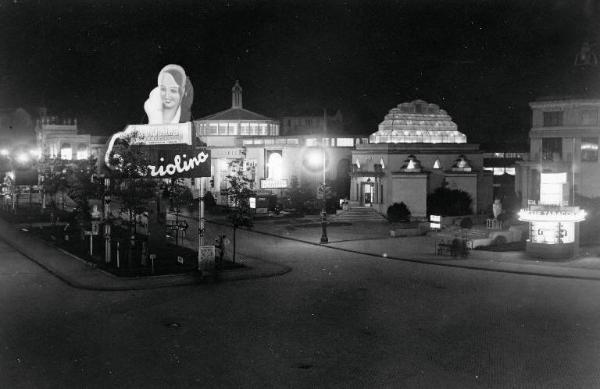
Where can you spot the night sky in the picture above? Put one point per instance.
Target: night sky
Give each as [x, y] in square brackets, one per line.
[482, 61]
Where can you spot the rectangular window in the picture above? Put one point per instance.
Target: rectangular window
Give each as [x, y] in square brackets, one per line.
[589, 149]
[551, 149]
[589, 117]
[345, 142]
[553, 119]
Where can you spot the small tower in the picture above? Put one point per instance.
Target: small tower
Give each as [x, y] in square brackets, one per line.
[236, 95]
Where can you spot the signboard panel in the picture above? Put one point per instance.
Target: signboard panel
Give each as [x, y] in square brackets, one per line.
[271, 183]
[26, 177]
[178, 162]
[160, 134]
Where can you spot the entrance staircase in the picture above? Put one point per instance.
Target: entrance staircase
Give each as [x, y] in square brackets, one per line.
[358, 214]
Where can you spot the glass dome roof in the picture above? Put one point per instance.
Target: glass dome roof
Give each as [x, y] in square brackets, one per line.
[417, 122]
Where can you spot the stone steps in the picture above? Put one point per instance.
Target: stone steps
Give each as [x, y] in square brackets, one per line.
[358, 214]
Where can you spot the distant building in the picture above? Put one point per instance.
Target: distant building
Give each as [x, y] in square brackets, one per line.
[564, 137]
[417, 149]
[565, 133]
[242, 139]
[313, 124]
[503, 166]
[58, 137]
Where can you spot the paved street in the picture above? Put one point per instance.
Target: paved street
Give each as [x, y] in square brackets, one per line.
[336, 320]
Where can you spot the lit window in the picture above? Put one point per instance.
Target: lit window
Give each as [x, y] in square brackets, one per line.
[345, 142]
[66, 152]
[82, 151]
[275, 166]
[589, 149]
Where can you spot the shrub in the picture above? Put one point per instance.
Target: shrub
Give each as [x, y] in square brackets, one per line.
[449, 202]
[398, 212]
[209, 200]
[466, 223]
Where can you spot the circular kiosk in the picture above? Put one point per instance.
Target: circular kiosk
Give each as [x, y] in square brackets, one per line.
[553, 229]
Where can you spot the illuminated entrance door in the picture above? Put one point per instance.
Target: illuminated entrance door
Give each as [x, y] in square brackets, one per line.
[367, 193]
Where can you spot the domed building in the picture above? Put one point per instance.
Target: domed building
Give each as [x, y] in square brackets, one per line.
[242, 139]
[417, 149]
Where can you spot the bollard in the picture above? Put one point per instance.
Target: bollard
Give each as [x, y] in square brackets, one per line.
[118, 252]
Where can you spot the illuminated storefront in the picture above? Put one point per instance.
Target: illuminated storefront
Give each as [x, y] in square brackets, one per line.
[553, 229]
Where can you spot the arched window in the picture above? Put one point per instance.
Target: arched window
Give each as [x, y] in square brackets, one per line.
[275, 165]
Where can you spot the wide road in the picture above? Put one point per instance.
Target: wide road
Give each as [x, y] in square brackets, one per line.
[336, 320]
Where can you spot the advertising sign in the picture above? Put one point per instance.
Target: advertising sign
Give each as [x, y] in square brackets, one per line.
[178, 162]
[160, 134]
[26, 177]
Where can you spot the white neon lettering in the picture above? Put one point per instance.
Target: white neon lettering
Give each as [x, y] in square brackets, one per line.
[178, 165]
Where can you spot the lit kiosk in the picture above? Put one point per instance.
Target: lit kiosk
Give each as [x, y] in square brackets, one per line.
[553, 232]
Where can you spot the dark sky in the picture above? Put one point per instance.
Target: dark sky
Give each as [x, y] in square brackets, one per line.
[482, 61]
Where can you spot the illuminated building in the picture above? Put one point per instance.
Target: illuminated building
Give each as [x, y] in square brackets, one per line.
[564, 138]
[241, 139]
[417, 149]
[60, 138]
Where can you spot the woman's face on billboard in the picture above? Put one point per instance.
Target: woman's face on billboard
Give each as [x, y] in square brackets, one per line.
[169, 91]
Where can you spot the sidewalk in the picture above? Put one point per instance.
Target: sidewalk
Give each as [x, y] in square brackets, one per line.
[81, 274]
[373, 238]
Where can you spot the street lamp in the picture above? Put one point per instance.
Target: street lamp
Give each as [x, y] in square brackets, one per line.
[324, 238]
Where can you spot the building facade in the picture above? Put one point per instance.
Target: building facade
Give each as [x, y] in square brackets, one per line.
[308, 124]
[58, 137]
[416, 150]
[242, 139]
[564, 138]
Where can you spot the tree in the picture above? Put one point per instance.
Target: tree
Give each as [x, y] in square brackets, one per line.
[239, 193]
[132, 187]
[81, 186]
[179, 196]
[55, 173]
[449, 202]
[298, 196]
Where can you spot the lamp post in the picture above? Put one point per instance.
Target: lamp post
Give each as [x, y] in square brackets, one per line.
[324, 238]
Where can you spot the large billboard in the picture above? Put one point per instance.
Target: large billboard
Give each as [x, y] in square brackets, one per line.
[167, 140]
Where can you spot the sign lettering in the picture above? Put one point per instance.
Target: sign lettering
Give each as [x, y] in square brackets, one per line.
[181, 165]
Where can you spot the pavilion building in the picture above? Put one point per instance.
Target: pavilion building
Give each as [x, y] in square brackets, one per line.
[417, 149]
